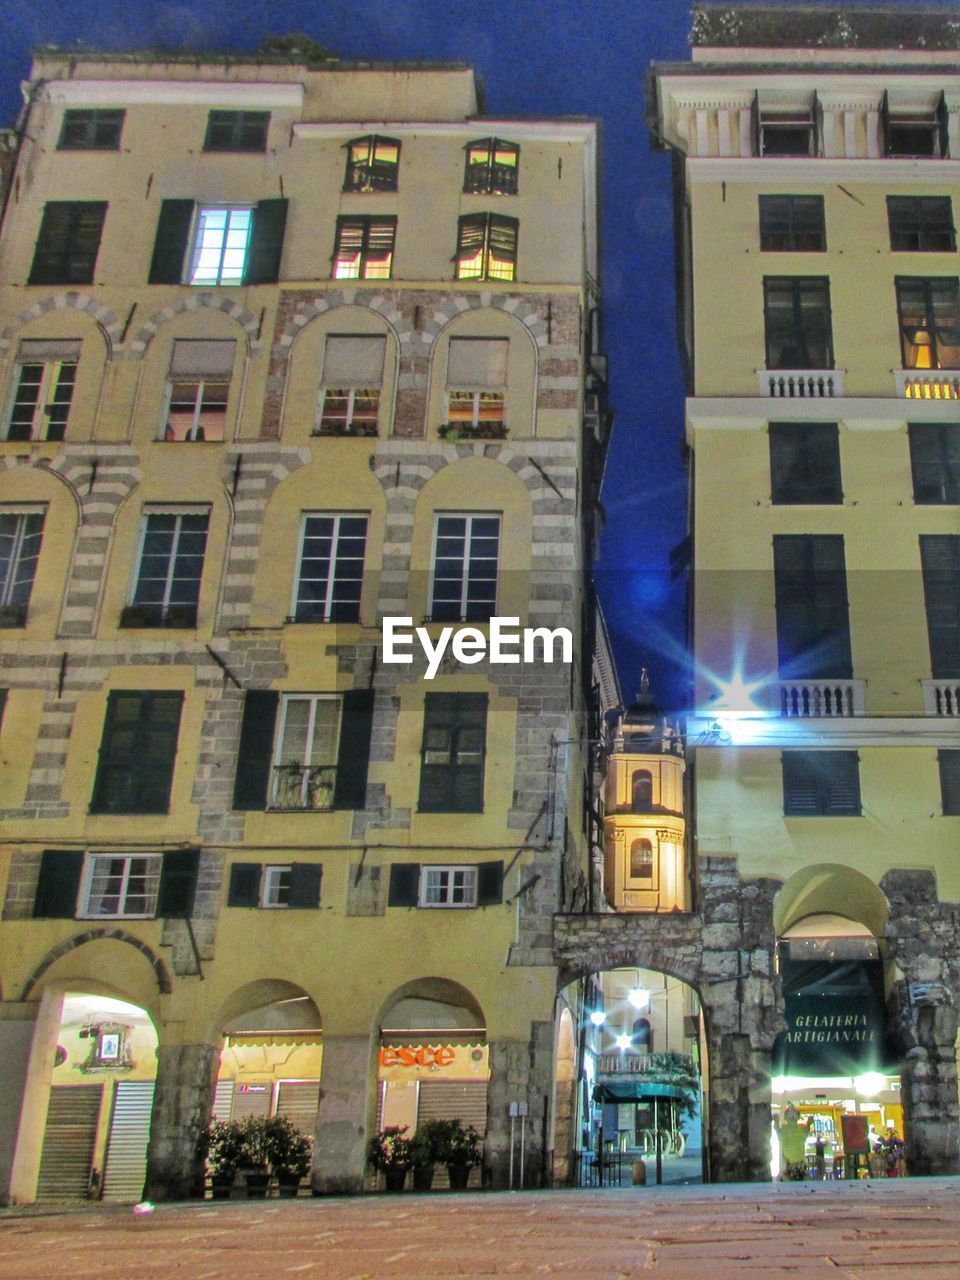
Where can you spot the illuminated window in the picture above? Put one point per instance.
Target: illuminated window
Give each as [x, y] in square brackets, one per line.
[935, 461]
[448, 887]
[641, 860]
[221, 240]
[921, 224]
[349, 402]
[476, 386]
[792, 224]
[120, 885]
[641, 791]
[453, 752]
[372, 164]
[487, 247]
[197, 390]
[237, 131]
[912, 131]
[91, 129]
[492, 167]
[797, 322]
[364, 248]
[805, 463]
[821, 784]
[466, 551]
[21, 534]
[45, 382]
[929, 311]
[330, 579]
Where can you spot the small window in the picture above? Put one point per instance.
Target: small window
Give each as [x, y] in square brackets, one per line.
[364, 248]
[466, 552]
[929, 311]
[330, 577]
[641, 860]
[68, 243]
[641, 791]
[137, 752]
[169, 568]
[452, 753]
[349, 401]
[91, 129]
[642, 1037]
[237, 131]
[914, 132]
[492, 167]
[198, 389]
[21, 534]
[372, 164]
[487, 247]
[950, 782]
[940, 565]
[935, 461]
[793, 224]
[476, 388]
[120, 885]
[785, 130]
[305, 755]
[797, 322]
[805, 463]
[921, 224]
[821, 784]
[276, 887]
[220, 242]
[448, 887]
[46, 376]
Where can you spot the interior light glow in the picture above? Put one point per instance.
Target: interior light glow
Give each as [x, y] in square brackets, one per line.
[870, 1084]
[639, 997]
[598, 1017]
[623, 1042]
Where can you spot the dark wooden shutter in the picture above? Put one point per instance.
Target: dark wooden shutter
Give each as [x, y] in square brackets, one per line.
[950, 781]
[813, 625]
[885, 124]
[940, 560]
[821, 784]
[244, 890]
[353, 756]
[305, 880]
[178, 882]
[943, 136]
[68, 242]
[3, 703]
[59, 884]
[489, 883]
[755, 123]
[256, 749]
[404, 884]
[157, 750]
[170, 245]
[266, 242]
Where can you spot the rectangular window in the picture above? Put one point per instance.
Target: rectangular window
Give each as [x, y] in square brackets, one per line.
[805, 462]
[274, 886]
[221, 239]
[198, 389]
[921, 224]
[452, 753]
[935, 461]
[373, 163]
[218, 244]
[940, 562]
[912, 131]
[349, 402]
[91, 129]
[237, 131]
[330, 578]
[785, 129]
[813, 626]
[305, 755]
[68, 243]
[492, 167]
[929, 310]
[487, 247]
[476, 388]
[797, 322]
[950, 781]
[275, 891]
[448, 887]
[821, 784]
[120, 885]
[21, 534]
[466, 552]
[364, 248]
[792, 224]
[169, 569]
[47, 373]
[137, 752]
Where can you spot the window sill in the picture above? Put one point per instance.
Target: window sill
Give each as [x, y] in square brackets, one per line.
[346, 433]
[453, 432]
[13, 615]
[121, 915]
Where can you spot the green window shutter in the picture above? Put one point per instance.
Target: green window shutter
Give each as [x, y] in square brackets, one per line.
[404, 884]
[3, 703]
[353, 756]
[59, 884]
[489, 883]
[813, 625]
[170, 245]
[266, 242]
[305, 880]
[68, 242]
[178, 882]
[138, 752]
[940, 561]
[256, 749]
[244, 890]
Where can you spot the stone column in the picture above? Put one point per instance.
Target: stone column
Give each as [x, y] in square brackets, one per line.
[346, 1116]
[520, 1071]
[28, 1033]
[182, 1103]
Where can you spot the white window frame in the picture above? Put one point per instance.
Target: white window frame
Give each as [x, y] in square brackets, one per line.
[278, 762]
[330, 592]
[46, 393]
[85, 912]
[9, 584]
[350, 394]
[201, 384]
[476, 398]
[469, 516]
[178, 513]
[197, 247]
[272, 886]
[461, 882]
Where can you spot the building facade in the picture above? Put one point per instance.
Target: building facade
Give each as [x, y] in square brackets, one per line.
[273, 372]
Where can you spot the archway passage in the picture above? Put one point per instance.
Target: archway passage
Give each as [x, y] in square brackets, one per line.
[639, 1097]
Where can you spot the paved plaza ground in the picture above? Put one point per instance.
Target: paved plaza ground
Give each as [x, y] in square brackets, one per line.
[890, 1230]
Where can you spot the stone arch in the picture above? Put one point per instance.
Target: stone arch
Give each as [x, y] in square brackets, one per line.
[443, 991]
[108, 323]
[456, 305]
[70, 471]
[830, 889]
[251, 996]
[160, 971]
[306, 311]
[642, 948]
[247, 321]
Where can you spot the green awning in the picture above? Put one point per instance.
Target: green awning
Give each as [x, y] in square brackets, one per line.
[634, 1090]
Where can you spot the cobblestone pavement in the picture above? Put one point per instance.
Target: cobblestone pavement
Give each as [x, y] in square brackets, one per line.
[893, 1230]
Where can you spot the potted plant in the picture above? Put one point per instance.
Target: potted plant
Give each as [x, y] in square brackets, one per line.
[427, 1146]
[225, 1151]
[391, 1154]
[460, 1149]
[256, 1156]
[290, 1152]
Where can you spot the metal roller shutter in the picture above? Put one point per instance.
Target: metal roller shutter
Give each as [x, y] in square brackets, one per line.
[251, 1100]
[222, 1100]
[464, 1100]
[300, 1100]
[68, 1142]
[126, 1164]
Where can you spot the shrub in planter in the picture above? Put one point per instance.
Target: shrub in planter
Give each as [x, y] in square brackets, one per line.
[256, 1156]
[225, 1153]
[290, 1152]
[391, 1153]
[426, 1146]
[460, 1148]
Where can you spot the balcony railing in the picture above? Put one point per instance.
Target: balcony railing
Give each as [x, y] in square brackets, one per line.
[303, 786]
[941, 697]
[803, 699]
[631, 1064]
[801, 384]
[928, 384]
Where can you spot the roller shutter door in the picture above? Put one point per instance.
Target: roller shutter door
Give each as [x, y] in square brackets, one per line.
[300, 1100]
[222, 1100]
[68, 1142]
[464, 1100]
[251, 1100]
[126, 1165]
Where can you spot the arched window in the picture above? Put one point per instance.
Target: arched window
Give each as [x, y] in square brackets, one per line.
[642, 1037]
[641, 860]
[641, 798]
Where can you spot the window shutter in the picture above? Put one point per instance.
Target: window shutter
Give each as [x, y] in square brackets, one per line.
[178, 883]
[353, 360]
[813, 625]
[950, 781]
[940, 559]
[201, 358]
[471, 234]
[68, 242]
[59, 884]
[305, 880]
[266, 242]
[503, 237]
[170, 245]
[353, 757]
[3, 703]
[816, 115]
[943, 117]
[36, 350]
[755, 123]
[489, 883]
[404, 884]
[842, 779]
[256, 749]
[885, 124]
[244, 890]
[477, 362]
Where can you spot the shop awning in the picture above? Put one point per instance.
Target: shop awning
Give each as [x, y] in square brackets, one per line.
[634, 1090]
[284, 1039]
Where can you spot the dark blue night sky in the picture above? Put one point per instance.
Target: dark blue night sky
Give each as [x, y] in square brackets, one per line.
[564, 57]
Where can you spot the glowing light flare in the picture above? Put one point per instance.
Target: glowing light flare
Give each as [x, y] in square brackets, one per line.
[598, 1017]
[623, 1042]
[639, 997]
[870, 1084]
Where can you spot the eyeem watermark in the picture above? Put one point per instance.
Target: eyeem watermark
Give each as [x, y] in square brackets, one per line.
[502, 643]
